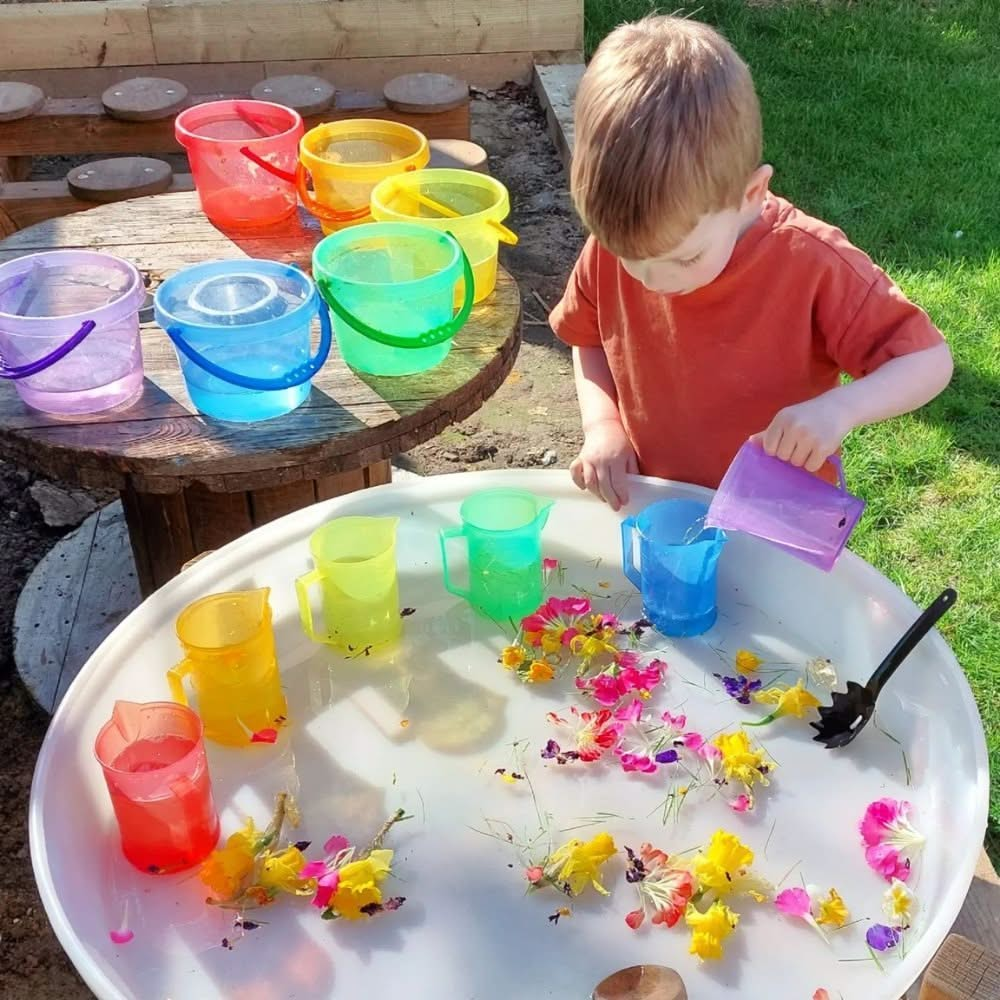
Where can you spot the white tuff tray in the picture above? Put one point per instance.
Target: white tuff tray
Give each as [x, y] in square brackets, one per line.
[468, 931]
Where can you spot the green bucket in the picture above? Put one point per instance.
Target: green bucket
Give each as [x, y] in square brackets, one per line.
[391, 289]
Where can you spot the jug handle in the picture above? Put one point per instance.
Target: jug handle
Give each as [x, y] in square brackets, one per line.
[302, 585]
[429, 338]
[284, 175]
[175, 678]
[296, 376]
[34, 367]
[838, 467]
[445, 535]
[321, 211]
[628, 553]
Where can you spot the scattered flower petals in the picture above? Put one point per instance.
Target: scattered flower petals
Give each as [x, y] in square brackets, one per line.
[891, 842]
[710, 929]
[794, 902]
[882, 938]
[577, 865]
[665, 887]
[746, 662]
[122, 935]
[593, 733]
[264, 736]
[822, 673]
[899, 904]
[740, 688]
[816, 910]
[794, 701]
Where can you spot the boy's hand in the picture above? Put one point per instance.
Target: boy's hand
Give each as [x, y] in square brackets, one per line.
[806, 434]
[604, 462]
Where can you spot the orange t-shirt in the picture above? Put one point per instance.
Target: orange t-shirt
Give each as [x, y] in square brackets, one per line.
[697, 374]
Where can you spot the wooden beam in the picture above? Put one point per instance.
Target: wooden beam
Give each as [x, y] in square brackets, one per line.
[79, 125]
[248, 30]
[556, 88]
[962, 970]
[29, 202]
[37, 35]
[483, 70]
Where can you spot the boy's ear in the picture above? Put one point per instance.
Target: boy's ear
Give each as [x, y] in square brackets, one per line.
[757, 185]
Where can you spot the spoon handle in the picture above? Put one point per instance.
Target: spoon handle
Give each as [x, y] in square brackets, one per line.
[927, 620]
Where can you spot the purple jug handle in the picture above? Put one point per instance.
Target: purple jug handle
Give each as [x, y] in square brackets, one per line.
[628, 553]
[838, 466]
[34, 367]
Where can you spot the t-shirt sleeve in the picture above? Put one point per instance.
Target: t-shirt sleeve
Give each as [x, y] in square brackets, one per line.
[866, 319]
[575, 319]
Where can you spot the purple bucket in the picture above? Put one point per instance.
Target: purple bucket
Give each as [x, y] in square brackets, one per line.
[69, 330]
[786, 506]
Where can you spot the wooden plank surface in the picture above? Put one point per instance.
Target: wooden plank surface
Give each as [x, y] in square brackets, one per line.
[349, 421]
[962, 970]
[68, 125]
[29, 202]
[484, 70]
[37, 35]
[247, 30]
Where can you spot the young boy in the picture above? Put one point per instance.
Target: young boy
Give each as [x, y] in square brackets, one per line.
[704, 310]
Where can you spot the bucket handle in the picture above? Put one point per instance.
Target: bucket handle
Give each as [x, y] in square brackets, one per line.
[838, 467]
[34, 367]
[321, 211]
[444, 536]
[428, 338]
[628, 553]
[284, 175]
[289, 380]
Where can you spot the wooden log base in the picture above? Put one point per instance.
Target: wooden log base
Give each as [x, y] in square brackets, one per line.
[169, 530]
[426, 93]
[144, 99]
[309, 95]
[119, 179]
[641, 982]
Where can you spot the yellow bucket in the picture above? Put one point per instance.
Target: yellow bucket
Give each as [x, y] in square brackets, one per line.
[346, 159]
[469, 205]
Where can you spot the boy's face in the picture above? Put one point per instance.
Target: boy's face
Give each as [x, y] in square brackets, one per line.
[697, 260]
[704, 253]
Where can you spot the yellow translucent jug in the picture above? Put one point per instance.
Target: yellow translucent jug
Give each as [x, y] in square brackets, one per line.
[229, 656]
[355, 560]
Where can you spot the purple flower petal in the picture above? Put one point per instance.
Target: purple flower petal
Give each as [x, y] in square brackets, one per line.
[551, 750]
[882, 938]
[667, 757]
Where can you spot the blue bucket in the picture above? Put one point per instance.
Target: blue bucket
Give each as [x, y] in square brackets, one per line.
[242, 331]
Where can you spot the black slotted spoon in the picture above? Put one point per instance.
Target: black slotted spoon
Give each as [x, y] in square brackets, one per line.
[840, 722]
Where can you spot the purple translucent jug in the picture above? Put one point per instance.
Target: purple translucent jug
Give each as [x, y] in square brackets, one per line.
[787, 506]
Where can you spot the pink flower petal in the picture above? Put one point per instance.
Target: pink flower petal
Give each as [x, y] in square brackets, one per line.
[336, 844]
[264, 736]
[694, 741]
[121, 936]
[324, 893]
[878, 816]
[569, 635]
[636, 762]
[632, 712]
[550, 564]
[886, 860]
[794, 902]
[740, 804]
[313, 869]
[534, 874]
[635, 918]
[675, 721]
[627, 659]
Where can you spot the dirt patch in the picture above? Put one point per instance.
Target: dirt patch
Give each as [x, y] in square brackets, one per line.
[531, 421]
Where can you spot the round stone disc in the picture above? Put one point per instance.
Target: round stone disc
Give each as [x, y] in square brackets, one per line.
[426, 93]
[18, 100]
[458, 154]
[144, 98]
[119, 179]
[309, 95]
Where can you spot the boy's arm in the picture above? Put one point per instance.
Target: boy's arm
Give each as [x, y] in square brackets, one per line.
[607, 456]
[807, 434]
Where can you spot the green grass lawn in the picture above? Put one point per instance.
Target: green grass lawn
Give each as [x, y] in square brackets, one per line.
[881, 117]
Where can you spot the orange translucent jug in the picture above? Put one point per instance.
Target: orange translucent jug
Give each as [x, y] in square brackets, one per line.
[228, 642]
[243, 156]
[154, 764]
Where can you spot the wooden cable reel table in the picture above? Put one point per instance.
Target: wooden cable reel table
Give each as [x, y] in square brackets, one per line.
[189, 483]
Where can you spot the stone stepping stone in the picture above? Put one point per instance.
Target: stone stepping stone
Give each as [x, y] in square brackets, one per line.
[144, 99]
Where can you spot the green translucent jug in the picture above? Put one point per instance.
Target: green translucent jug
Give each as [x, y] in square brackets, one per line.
[503, 532]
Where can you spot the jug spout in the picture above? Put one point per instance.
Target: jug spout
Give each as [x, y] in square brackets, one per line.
[542, 506]
[254, 602]
[127, 717]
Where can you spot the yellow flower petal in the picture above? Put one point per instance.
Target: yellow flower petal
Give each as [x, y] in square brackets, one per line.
[579, 864]
[740, 761]
[359, 884]
[512, 657]
[281, 872]
[832, 911]
[747, 662]
[710, 929]
[541, 672]
[722, 862]
[789, 700]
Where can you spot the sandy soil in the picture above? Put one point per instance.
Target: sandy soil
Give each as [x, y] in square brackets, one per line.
[531, 421]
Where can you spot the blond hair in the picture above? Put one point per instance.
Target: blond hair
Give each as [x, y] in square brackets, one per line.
[667, 129]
